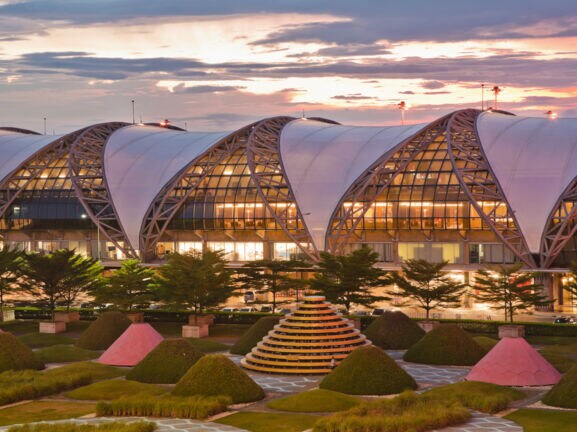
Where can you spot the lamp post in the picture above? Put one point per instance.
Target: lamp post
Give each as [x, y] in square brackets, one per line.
[496, 91]
[482, 97]
[133, 119]
[403, 106]
[551, 114]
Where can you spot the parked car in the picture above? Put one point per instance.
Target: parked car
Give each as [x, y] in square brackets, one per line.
[249, 297]
[360, 313]
[247, 309]
[229, 309]
[266, 308]
[564, 320]
[284, 311]
[377, 312]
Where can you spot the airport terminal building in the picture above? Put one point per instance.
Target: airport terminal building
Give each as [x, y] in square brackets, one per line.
[471, 188]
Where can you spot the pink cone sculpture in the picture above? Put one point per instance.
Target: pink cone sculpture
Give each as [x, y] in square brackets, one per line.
[132, 345]
[513, 362]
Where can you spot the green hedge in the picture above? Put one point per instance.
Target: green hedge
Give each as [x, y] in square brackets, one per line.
[394, 330]
[194, 407]
[564, 393]
[215, 374]
[14, 355]
[447, 344]
[368, 371]
[75, 427]
[104, 331]
[254, 335]
[405, 413]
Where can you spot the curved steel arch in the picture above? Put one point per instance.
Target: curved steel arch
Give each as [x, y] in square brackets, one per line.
[378, 177]
[473, 170]
[556, 235]
[267, 170]
[19, 130]
[20, 178]
[166, 203]
[87, 171]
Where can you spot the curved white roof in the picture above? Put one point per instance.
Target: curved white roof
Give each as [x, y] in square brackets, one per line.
[534, 160]
[323, 160]
[139, 161]
[15, 148]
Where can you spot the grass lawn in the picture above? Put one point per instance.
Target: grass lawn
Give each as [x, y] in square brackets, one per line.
[44, 410]
[318, 400]
[538, 420]
[64, 353]
[168, 329]
[207, 345]
[19, 327]
[232, 331]
[562, 354]
[41, 340]
[486, 342]
[97, 371]
[114, 389]
[267, 422]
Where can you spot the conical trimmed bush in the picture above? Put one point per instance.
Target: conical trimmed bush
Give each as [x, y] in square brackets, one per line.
[368, 371]
[165, 364]
[564, 393]
[14, 355]
[216, 374]
[448, 344]
[104, 331]
[254, 335]
[394, 330]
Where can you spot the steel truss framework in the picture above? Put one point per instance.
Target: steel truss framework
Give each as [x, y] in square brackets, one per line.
[86, 164]
[267, 171]
[175, 193]
[31, 169]
[479, 182]
[365, 190]
[561, 226]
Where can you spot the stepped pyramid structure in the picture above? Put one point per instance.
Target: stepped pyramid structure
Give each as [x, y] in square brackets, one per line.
[513, 362]
[306, 341]
[132, 346]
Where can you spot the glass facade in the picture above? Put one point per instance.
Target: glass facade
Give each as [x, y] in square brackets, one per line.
[434, 252]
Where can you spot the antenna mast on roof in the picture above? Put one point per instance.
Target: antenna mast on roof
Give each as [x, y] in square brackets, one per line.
[496, 91]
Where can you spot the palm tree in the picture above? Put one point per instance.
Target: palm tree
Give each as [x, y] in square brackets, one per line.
[61, 276]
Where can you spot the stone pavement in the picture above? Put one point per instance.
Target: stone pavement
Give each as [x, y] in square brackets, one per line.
[485, 423]
[164, 425]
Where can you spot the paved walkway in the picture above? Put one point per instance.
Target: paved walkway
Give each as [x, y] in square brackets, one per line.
[485, 423]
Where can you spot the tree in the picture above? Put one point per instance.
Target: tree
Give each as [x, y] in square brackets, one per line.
[570, 282]
[271, 276]
[508, 289]
[428, 284]
[11, 262]
[197, 280]
[349, 279]
[61, 276]
[130, 285]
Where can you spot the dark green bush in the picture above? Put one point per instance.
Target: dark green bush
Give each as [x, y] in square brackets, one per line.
[104, 331]
[74, 427]
[254, 335]
[368, 371]
[194, 407]
[166, 364]
[404, 413]
[394, 330]
[14, 355]
[480, 396]
[564, 393]
[214, 375]
[448, 344]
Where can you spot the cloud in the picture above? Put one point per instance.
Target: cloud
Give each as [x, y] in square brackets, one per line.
[433, 85]
[181, 88]
[353, 97]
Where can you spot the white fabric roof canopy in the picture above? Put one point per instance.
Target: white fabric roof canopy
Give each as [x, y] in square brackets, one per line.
[140, 160]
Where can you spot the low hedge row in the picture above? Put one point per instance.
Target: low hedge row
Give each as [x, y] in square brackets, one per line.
[194, 407]
[28, 384]
[75, 427]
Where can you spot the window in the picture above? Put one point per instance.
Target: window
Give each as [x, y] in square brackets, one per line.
[480, 253]
[385, 250]
[434, 252]
[239, 251]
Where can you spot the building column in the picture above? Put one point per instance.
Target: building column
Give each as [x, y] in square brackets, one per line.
[546, 279]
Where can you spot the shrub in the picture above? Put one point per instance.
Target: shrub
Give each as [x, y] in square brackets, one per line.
[563, 393]
[41, 340]
[75, 427]
[63, 354]
[166, 364]
[317, 400]
[487, 343]
[113, 389]
[206, 346]
[104, 331]
[14, 355]
[404, 413]
[215, 374]
[394, 330]
[484, 397]
[446, 345]
[194, 407]
[254, 335]
[368, 371]
[28, 384]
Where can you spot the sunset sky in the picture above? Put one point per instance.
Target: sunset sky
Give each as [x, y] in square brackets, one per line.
[218, 65]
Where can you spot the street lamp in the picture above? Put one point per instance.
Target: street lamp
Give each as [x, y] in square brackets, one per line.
[552, 115]
[496, 91]
[403, 106]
